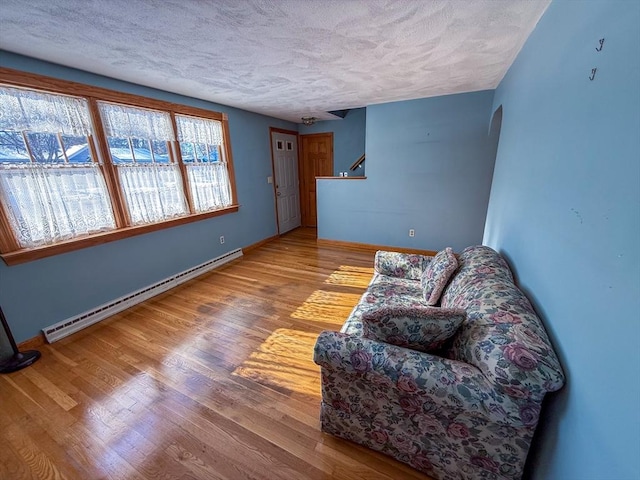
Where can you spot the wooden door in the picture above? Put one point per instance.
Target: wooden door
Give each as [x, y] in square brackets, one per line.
[316, 153]
[287, 182]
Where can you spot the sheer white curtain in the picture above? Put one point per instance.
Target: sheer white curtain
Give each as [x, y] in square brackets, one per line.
[152, 191]
[199, 130]
[208, 181]
[122, 121]
[26, 110]
[209, 184]
[47, 203]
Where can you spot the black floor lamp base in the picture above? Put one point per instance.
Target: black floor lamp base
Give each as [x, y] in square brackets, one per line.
[19, 361]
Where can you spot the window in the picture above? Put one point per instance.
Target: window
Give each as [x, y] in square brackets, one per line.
[201, 149]
[81, 165]
[51, 185]
[139, 145]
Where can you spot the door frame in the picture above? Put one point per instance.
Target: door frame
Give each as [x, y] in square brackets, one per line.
[302, 174]
[273, 130]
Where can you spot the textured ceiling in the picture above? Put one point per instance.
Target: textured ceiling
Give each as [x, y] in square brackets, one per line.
[284, 58]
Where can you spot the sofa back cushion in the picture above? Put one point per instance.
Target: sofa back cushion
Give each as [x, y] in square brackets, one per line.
[501, 335]
[437, 274]
[400, 265]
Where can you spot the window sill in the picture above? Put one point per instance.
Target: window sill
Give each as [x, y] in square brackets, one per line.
[30, 254]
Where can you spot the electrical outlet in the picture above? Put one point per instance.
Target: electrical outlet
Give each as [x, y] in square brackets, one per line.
[412, 232]
[221, 239]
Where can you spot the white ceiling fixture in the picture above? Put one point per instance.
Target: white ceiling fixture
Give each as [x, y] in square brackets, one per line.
[284, 58]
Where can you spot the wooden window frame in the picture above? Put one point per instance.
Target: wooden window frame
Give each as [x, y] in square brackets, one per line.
[9, 248]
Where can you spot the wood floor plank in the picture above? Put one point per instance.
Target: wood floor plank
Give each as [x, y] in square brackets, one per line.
[213, 379]
[46, 443]
[44, 384]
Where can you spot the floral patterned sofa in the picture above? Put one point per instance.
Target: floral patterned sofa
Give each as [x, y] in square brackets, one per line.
[463, 408]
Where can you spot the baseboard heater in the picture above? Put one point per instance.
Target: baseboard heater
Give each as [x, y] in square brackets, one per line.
[71, 325]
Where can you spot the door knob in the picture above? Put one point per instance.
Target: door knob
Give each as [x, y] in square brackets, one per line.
[278, 194]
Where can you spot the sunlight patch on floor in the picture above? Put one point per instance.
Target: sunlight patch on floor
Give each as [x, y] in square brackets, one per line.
[349, 276]
[285, 361]
[327, 307]
[111, 417]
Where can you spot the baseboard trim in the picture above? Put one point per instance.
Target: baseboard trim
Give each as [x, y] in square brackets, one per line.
[35, 342]
[371, 247]
[78, 322]
[262, 242]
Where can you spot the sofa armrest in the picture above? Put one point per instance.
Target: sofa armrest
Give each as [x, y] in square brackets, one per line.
[401, 265]
[444, 382]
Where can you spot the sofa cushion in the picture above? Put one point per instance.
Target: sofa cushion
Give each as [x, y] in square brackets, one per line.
[400, 265]
[437, 274]
[384, 290]
[418, 328]
[476, 264]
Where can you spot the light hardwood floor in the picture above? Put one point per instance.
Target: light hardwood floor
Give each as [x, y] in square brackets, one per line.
[212, 380]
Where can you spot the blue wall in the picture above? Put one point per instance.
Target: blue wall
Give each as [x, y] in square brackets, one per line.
[565, 210]
[429, 167]
[348, 139]
[40, 293]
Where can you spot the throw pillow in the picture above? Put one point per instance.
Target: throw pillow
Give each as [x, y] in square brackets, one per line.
[418, 328]
[437, 274]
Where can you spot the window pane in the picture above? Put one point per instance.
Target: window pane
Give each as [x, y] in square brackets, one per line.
[160, 151]
[204, 153]
[12, 148]
[152, 192]
[187, 151]
[119, 150]
[45, 148]
[214, 153]
[47, 204]
[200, 152]
[141, 151]
[77, 149]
